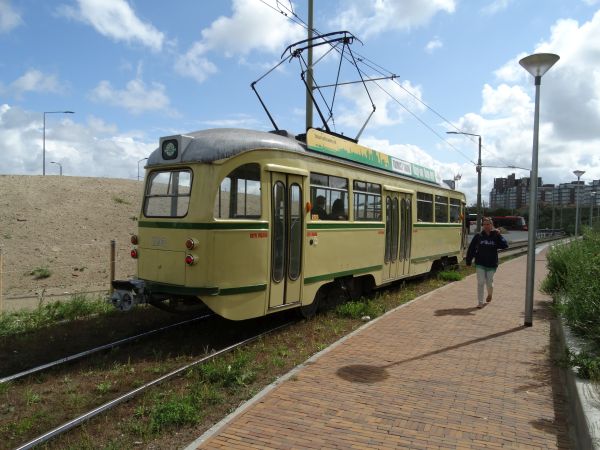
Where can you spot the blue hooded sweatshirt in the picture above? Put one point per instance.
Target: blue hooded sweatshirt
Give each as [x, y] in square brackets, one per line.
[484, 248]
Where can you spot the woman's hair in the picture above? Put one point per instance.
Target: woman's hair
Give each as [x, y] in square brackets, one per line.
[489, 219]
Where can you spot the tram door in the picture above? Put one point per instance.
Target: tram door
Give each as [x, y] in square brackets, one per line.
[398, 234]
[287, 217]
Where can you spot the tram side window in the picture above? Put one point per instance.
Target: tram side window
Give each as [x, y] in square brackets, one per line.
[329, 197]
[454, 210]
[424, 207]
[168, 193]
[367, 201]
[441, 209]
[238, 196]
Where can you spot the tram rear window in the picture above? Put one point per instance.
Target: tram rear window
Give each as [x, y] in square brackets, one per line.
[168, 193]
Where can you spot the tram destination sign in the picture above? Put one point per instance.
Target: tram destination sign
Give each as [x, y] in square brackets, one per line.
[328, 144]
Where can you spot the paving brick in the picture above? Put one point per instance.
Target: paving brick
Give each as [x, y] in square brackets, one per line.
[436, 373]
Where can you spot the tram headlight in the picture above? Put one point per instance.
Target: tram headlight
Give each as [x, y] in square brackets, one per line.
[134, 253]
[190, 260]
[191, 244]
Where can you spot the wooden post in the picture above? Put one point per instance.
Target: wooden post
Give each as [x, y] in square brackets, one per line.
[112, 264]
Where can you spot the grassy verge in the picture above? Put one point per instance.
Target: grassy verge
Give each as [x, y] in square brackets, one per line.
[574, 282]
[46, 314]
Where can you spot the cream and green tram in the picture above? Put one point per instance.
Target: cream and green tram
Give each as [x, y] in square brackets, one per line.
[249, 223]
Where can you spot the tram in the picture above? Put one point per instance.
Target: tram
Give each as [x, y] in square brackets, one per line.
[249, 223]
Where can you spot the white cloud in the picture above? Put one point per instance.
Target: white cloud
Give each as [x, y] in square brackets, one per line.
[136, 97]
[35, 81]
[367, 19]
[9, 17]
[94, 149]
[115, 19]
[496, 6]
[433, 45]
[569, 136]
[252, 27]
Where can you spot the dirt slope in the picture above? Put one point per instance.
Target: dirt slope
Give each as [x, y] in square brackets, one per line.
[64, 224]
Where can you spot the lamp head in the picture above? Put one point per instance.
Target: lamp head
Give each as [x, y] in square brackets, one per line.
[578, 173]
[539, 63]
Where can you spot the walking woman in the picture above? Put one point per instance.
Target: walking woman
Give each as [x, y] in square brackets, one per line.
[484, 248]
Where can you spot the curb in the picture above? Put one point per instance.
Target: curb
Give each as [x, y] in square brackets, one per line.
[583, 396]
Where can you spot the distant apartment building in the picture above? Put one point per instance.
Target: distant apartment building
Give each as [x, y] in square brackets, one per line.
[513, 193]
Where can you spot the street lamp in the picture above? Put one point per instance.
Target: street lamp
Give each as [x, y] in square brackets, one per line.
[143, 159]
[578, 174]
[478, 169]
[457, 177]
[59, 166]
[44, 138]
[592, 199]
[537, 65]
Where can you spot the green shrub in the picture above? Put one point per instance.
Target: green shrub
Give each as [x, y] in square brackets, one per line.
[574, 280]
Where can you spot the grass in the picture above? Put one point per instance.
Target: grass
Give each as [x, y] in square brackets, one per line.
[46, 314]
[120, 201]
[40, 273]
[574, 282]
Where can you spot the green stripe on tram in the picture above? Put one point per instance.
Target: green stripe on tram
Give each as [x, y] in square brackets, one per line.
[163, 288]
[206, 225]
[331, 226]
[331, 276]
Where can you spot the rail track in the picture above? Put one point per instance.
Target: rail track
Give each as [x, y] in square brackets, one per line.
[100, 348]
[135, 392]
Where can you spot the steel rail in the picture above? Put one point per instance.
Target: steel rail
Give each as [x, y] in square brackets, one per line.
[97, 349]
[109, 405]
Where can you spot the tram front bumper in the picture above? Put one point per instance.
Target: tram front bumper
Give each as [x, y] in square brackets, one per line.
[127, 294]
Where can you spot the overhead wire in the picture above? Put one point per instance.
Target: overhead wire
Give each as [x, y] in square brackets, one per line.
[292, 16]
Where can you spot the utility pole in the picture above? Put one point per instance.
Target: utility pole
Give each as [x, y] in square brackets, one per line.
[309, 71]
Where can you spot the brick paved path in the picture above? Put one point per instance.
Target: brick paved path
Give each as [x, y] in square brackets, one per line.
[436, 373]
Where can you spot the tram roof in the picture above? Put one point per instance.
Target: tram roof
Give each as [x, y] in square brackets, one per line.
[214, 144]
[220, 143]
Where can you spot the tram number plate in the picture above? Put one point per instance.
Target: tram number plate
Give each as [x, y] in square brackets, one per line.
[159, 241]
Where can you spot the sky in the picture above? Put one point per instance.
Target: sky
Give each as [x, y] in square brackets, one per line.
[135, 70]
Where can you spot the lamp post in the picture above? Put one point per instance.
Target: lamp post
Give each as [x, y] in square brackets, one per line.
[578, 174]
[478, 169]
[59, 166]
[44, 137]
[143, 159]
[592, 199]
[537, 65]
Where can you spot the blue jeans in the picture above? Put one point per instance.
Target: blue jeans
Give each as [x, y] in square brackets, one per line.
[485, 276]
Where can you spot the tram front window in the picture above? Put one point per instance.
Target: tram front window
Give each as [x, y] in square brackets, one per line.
[168, 193]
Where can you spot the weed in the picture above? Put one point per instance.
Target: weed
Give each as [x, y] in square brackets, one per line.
[31, 397]
[7, 236]
[449, 275]
[104, 387]
[133, 218]
[360, 308]
[228, 373]
[120, 201]
[40, 273]
[176, 410]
